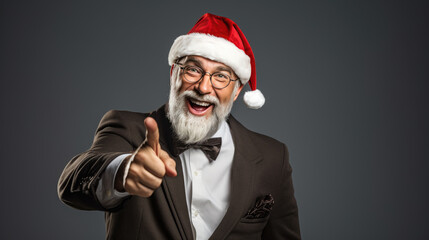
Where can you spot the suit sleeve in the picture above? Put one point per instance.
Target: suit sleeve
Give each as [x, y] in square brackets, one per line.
[78, 182]
[284, 222]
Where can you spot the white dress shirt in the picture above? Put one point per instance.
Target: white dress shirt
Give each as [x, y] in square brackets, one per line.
[207, 185]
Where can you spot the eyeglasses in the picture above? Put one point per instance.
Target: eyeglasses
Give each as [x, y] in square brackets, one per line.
[194, 74]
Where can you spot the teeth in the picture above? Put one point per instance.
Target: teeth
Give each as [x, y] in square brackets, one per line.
[203, 104]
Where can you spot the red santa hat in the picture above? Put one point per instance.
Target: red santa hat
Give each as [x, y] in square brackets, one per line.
[220, 39]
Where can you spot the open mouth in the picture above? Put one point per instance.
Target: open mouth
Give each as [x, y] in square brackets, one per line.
[197, 107]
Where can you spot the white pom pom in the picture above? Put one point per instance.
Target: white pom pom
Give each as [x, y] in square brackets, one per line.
[254, 99]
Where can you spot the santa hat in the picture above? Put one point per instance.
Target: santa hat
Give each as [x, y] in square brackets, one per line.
[220, 39]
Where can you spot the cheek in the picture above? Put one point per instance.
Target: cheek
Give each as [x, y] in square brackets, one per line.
[225, 97]
[185, 86]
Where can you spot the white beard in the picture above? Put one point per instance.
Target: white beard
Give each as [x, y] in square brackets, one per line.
[188, 127]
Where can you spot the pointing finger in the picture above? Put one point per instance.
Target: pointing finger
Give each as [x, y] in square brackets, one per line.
[152, 134]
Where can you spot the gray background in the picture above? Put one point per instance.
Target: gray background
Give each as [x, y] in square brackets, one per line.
[345, 83]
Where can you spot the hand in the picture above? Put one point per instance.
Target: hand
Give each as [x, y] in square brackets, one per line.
[150, 165]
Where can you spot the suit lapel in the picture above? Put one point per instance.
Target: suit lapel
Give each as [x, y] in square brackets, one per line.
[175, 192]
[242, 172]
[173, 187]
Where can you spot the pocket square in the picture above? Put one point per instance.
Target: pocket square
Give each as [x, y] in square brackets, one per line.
[262, 208]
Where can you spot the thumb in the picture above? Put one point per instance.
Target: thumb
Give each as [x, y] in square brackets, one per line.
[152, 134]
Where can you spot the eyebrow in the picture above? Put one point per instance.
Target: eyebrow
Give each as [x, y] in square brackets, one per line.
[219, 68]
[190, 59]
[226, 69]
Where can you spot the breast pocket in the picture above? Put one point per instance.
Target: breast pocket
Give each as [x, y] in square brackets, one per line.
[251, 228]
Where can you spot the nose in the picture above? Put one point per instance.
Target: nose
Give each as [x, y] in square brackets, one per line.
[204, 86]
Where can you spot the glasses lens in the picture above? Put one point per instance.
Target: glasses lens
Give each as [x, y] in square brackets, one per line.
[192, 73]
[220, 80]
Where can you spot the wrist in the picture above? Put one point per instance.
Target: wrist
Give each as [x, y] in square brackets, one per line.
[119, 178]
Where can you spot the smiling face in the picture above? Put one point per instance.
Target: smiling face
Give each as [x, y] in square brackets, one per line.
[196, 109]
[204, 87]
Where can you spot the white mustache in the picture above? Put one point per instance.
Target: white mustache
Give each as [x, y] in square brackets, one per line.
[203, 98]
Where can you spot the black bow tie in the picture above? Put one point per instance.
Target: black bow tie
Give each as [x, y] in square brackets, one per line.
[210, 147]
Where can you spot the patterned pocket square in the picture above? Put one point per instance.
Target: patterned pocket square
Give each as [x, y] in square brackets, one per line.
[262, 208]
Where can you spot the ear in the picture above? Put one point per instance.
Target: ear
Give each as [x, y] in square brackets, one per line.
[238, 90]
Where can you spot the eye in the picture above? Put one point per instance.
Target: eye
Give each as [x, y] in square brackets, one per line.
[193, 69]
[221, 77]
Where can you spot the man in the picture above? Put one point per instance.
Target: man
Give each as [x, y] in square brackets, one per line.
[189, 170]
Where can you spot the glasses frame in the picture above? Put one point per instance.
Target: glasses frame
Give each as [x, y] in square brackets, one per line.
[182, 68]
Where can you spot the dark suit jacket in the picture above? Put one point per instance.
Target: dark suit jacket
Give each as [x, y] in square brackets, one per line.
[260, 167]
